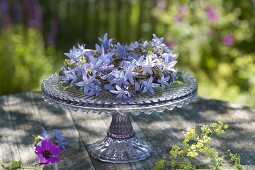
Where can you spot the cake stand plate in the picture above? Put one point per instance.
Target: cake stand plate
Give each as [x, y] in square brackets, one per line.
[120, 144]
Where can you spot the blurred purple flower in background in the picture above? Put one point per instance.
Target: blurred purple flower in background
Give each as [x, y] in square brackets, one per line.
[228, 40]
[18, 11]
[182, 10]
[34, 13]
[4, 13]
[52, 34]
[178, 19]
[211, 14]
[170, 43]
[161, 4]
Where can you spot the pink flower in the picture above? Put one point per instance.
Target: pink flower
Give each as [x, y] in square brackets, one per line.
[170, 43]
[182, 10]
[178, 19]
[228, 40]
[47, 152]
[161, 4]
[211, 14]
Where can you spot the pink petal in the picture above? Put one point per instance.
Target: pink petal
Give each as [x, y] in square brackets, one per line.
[54, 150]
[53, 160]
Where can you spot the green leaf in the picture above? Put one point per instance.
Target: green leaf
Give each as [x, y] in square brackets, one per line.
[11, 165]
[179, 77]
[36, 140]
[213, 162]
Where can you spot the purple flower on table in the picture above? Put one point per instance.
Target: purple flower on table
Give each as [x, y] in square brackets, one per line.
[148, 64]
[47, 152]
[228, 40]
[163, 81]
[121, 93]
[148, 85]
[211, 14]
[60, 139]
[129, 73]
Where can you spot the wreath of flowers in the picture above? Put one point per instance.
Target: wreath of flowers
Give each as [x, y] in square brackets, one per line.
[123, 70]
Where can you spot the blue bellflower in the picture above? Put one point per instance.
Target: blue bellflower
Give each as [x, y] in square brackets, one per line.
[86, 83]
[60, 139]
[121, 50]
[122, 94]
[75, 53]
[129, 73]
[119, 78]
[163, 81]
[105, 42]
[148, 64]
[149, 85]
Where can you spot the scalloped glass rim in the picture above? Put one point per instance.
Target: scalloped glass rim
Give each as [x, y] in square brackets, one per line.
[70, 98]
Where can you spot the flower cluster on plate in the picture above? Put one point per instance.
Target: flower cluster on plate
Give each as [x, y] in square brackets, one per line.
[124, 70]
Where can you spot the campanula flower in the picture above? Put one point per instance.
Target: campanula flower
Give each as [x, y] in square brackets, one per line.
[148, 85]
[163, 81]
[60, 139]
[121, 93]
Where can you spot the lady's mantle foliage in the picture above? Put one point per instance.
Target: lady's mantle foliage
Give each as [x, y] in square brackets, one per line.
[197, 147]
[121, 69]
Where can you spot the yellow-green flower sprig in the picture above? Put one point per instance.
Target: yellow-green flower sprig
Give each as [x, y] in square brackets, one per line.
[197, 145]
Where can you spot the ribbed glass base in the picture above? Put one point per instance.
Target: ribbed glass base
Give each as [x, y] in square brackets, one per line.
[120, 145]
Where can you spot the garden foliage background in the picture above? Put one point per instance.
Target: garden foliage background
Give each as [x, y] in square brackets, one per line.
[215, 39]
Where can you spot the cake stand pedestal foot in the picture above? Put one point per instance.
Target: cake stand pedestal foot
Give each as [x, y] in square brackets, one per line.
[120, 145]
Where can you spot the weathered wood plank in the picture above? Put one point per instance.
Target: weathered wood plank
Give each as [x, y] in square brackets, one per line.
[23, 115]
[75, 156]
[27, 114]
[165, 129]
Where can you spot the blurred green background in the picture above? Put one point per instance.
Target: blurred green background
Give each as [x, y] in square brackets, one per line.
[215, 39]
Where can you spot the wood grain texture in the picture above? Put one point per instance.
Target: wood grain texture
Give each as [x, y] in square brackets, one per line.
[23, 115]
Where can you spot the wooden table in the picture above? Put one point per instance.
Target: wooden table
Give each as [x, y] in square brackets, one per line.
[23, 115]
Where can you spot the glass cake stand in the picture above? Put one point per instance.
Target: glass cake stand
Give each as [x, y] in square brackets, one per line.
[121, 144]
